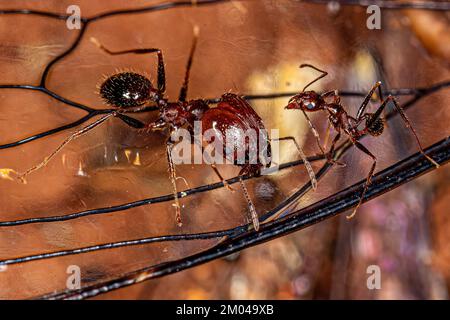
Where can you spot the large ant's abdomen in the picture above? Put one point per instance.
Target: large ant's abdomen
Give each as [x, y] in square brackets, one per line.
[242, 144]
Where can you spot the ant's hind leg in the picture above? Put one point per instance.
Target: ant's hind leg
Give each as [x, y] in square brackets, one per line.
[312, 175]
[161, 71]
[369, 176]
[173, 180]
[376, 115]
[408, 125]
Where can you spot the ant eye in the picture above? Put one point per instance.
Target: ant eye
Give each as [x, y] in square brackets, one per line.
[126, 89]
[311, 105]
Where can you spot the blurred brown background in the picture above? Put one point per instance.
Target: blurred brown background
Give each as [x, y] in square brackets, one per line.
[245, 47]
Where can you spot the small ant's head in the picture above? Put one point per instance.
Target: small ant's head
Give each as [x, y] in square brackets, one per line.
[126, 90]
[307, 101]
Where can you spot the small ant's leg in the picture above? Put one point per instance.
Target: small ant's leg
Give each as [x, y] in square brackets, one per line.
[184, 87]
[327, 135]
[330, 153]
[380, 109]
[380, 94]
[307, 164]
[369, 176]
[185, 181]
[225, 183]
[407, 123]
[251, 206]
[73, 136]
[173, 179]
[161, 71]
[363, 106]
[316, 134]
[324, 74]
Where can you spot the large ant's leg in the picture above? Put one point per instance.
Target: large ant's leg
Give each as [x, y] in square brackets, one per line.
[307, 164]
[377, 114]
[73, 136]
[161, 71]
[184, 87]
[324, 73]
[219, 175]
[173, 179]
[369, 176]
[251, 206]
[364, 104]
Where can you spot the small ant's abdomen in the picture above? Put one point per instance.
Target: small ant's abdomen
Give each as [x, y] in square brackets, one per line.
[375, 127]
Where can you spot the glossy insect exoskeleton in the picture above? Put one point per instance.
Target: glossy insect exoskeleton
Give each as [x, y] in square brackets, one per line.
[133, 92]
[341, 121]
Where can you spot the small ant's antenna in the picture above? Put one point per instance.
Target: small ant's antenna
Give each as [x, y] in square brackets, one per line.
[324, 74]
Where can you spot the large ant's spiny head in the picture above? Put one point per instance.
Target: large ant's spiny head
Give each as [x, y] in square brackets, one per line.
[307, 101]
[126, 90]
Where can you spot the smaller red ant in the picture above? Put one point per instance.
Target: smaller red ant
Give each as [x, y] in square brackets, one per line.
[310, 101]
[133, 92]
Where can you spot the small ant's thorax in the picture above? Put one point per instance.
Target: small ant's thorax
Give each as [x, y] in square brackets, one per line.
[335, 114]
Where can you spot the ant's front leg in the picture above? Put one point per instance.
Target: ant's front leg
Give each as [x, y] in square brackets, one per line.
[314, 131]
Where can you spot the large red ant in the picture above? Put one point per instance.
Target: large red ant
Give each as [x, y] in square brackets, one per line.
[132, 92]
[310, 101]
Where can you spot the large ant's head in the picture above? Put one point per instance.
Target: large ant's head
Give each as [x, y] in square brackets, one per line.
[127, 89]
[174, 114]
[306, 101]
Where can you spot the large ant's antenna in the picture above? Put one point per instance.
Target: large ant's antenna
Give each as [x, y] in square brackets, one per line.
[324, 74]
